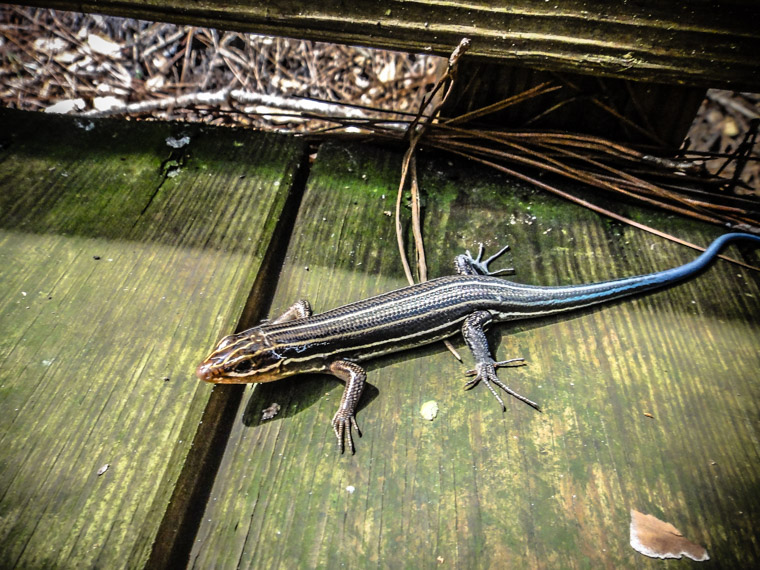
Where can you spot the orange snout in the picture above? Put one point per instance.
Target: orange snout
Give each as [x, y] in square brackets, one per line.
[205, 372]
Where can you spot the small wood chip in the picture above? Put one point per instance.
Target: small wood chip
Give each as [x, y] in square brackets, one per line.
[429, 410]
[270, 412]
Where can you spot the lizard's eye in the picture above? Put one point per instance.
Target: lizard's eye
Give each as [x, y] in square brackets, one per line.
[242, 367]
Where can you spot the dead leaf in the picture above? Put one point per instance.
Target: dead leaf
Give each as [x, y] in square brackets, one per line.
[655, 538]
[103, 46]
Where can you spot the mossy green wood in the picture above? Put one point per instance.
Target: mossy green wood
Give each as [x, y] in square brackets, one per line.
[121, 261]
[476, 487]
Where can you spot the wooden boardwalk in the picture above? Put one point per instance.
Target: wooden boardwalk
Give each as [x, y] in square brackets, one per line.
[123, 259]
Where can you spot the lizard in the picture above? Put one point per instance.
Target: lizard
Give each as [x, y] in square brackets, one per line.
[338, 340]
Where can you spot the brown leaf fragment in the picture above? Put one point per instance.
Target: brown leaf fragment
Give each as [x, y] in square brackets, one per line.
[655, 538]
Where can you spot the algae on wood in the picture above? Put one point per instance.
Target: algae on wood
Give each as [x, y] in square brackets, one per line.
[476, 487]
[125, 249]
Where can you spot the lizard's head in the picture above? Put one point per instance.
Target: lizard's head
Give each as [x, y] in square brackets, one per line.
[246, 357]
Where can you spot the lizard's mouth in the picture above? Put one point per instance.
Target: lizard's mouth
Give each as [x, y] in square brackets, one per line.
[205, 371]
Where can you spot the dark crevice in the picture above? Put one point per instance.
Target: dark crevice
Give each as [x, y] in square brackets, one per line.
[181, 521]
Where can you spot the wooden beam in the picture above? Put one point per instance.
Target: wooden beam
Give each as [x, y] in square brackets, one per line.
[704, 44]
[477, 487]
[126, 249]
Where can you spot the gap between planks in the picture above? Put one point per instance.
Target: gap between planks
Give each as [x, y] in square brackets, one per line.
[180, 523]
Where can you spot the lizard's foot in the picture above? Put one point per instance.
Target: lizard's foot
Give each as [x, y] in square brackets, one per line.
[486, 371]
[481, 266]
[342, 423]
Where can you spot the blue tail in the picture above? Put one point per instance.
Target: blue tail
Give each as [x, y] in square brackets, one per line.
[700, 263]
[577, 296]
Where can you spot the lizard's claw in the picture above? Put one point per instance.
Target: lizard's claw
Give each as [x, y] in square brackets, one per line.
[342, 423]
[486, 371]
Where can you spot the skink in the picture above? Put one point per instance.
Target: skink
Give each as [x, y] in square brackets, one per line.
[336, 341]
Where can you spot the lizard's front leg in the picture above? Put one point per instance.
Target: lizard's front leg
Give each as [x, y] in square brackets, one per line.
[467, 265]
[485, 365]
[298, 310]
[354, 376]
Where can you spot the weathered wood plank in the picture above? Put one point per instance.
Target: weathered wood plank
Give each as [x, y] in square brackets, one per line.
[121, 260]
[478, 487]
[707, 44]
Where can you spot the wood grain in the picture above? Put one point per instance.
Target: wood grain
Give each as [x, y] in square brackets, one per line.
[477, 487]
[121, 260]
